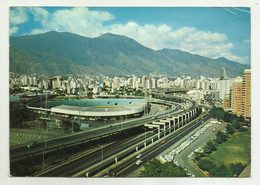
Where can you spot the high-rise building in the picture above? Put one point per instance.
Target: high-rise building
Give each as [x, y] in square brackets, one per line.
[224, 85]
[241, 95]
[154, 83]
[246, 90]
[236, 97]
[223, 74]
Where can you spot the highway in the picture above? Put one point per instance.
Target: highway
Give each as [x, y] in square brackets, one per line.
[17, 154]
[123, 169]
[71, 167]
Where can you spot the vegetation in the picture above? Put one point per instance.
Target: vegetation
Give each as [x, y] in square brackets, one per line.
[227, 155]
[220, 114]
[67, 126]
[18, 114]
[156, 169]
[236, 149]
[173, 99]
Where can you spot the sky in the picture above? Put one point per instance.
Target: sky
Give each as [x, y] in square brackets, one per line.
[208, 31]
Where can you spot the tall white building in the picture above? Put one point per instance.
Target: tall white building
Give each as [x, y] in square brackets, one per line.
[224, 88]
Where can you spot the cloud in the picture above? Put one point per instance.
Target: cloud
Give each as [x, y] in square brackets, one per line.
[37, 31]
[18, 15]
[88, 23]
[39, 14]
[208, 44]
[13, 30]
[77, 20]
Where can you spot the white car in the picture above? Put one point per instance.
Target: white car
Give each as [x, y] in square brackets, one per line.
[138, 162]
[138, 156]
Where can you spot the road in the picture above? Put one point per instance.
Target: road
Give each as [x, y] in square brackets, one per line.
[73, 166]
[182, 157]
[54, 144]
[126, 166]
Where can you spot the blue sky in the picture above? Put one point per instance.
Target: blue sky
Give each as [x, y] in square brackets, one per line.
[212, 31]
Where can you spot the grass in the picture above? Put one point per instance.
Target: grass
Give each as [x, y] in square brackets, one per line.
[236, 150]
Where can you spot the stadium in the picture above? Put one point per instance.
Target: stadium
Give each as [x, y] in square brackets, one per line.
[92, 109]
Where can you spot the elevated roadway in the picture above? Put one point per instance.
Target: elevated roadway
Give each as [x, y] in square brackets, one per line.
[78, 138]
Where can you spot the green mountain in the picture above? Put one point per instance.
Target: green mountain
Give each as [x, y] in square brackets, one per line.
[55, 53]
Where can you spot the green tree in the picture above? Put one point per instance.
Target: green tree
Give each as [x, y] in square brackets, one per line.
[209, 147]
[152, 169]
[206, 164]
[236, 124]
[171, 170]
[221, 137]
[230, 129]
[156, 169]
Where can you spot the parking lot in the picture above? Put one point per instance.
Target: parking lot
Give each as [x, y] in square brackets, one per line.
[181, 155]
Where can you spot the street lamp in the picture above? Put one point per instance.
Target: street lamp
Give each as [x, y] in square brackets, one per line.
[102, 155]
[144, 136]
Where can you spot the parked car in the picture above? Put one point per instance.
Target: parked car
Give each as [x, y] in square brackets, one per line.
[138, 162]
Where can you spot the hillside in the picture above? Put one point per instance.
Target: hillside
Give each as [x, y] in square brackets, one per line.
[55, 53]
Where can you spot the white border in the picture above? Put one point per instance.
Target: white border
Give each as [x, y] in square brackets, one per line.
[4, 71]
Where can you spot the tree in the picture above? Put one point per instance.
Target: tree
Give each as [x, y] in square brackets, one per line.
[151, 169]
[230, 129]
[209, 147]
[156, 169]
[171, 170]
[236, 124]
[206, 164]
[221, 137]
[66, 125]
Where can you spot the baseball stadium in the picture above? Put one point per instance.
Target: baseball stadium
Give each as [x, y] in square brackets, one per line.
[91, 109]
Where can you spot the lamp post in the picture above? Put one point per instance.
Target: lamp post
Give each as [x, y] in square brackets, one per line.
[45, 127]
[102, 155]
[144, 136]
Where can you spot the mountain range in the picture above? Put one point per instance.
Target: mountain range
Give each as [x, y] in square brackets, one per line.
[63, 53]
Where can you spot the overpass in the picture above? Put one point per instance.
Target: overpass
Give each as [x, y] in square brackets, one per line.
[177, 117]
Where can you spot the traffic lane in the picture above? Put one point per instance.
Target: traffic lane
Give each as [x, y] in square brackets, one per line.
[182, 158]
[75, 138]
[73, 167]
[159, 148]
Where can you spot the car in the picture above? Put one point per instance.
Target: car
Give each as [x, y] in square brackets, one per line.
[214, 130]
[154, 117]
[138, 162]
[33, 144]
[138, 156]
[163, 142]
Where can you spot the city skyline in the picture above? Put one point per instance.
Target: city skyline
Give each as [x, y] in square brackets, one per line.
[94, 93]
[187, 29]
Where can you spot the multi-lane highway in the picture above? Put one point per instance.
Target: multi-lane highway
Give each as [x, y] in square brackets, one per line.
[124, 168]
[77, 138]
[92, 157]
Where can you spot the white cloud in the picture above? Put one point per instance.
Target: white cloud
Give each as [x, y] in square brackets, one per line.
[37, 31]
[213, 45]
[91, 24]
[78, 20]
[13, 30]
[40, 14]
[18, 15]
